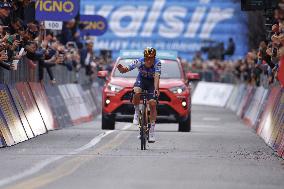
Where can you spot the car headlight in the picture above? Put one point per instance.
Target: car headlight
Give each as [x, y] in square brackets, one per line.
[178, 90]
[114, 88]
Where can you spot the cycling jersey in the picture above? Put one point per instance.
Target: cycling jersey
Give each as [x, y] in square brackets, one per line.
[145, 72]
[145, 78]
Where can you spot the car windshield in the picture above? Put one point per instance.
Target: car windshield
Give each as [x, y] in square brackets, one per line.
[170, 69]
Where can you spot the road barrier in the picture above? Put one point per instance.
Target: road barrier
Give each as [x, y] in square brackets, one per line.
[58, 106]
[11, 116]
[261, 109]
[29, 109]
[43, 106]
[20, 107]
[212, 94]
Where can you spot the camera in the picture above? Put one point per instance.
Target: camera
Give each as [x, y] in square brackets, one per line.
[18, 37]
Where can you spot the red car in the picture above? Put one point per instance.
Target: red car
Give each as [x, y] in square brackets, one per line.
[174, 100]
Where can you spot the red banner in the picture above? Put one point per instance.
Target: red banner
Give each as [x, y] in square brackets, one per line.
[280, 150]
[265, 128]
[281, 72]
[30, 108]
[277, 122]
[43, 106]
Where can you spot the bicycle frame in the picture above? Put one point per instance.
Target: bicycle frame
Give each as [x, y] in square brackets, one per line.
[144, 120]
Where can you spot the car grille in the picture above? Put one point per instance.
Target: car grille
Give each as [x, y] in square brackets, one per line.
[162, 110]
[163, 96]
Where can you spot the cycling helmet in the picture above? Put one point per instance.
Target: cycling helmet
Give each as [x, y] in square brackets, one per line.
[149, 52]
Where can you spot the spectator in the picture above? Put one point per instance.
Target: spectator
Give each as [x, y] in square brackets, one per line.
[5, 8]
[87, 58]
[230, 50]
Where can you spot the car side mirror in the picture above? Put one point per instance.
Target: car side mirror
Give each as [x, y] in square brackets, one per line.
[193, 76]
[102, 74]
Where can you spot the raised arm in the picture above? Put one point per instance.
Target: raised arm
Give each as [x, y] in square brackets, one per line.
[157, 76]
[123, 69]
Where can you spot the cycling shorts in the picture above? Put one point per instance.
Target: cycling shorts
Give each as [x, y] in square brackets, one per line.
[146, 84]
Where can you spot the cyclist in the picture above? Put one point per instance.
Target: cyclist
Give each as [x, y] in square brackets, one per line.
[148, 79]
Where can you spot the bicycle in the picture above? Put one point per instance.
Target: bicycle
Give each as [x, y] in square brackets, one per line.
[144, 118]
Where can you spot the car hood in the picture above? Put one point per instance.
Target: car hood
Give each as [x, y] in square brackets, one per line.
[129, 82]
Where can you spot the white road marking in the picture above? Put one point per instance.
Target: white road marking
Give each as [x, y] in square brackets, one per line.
[38, 167]
[211, 119]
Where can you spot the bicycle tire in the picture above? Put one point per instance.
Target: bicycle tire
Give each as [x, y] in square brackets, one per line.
[143, 128]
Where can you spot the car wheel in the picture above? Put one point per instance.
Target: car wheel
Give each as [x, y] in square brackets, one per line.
[184, 124]
[108, 122]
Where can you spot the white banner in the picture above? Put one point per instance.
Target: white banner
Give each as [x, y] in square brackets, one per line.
[53, 25]
[212, 94]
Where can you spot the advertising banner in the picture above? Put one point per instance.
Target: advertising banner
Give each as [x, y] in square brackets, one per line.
[43, 106]
[2, 141]
[94, 25]
[278, 122]
[281, 72]
[70, 103]
[237, 101]
[30, 108]
[89, 102]
[280, 150]
[5, 132]
[212, 94]
[76, 94]
[254, 109]
[58, 106]
[21, 112]
[11, 115]
[233, 97]
[56, 10]
[97, 97]
[169, 24]
[245, 102]
[265, 126]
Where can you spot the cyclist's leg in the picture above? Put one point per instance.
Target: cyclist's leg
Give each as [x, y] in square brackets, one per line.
[153, 111]
[137, 89]
[151, 100]
[136, 99]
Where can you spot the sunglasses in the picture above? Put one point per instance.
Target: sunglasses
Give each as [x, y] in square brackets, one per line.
[34, 34]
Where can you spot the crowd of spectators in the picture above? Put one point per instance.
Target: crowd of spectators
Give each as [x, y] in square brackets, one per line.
[257, 64]
[251, 69]
[23, 37]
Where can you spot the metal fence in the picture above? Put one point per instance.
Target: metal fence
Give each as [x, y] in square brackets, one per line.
[229, 77]
[27, 70]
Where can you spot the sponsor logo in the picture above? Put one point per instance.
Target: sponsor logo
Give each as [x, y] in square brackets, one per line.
[93, 25]
[167, 21]
[56, 10]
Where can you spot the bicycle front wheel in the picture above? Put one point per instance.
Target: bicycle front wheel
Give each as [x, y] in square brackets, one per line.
[143, 128]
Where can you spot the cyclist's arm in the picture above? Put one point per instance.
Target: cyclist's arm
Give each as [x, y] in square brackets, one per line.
[157, 75]
[123, 69]
[157, 81]
[136, 63]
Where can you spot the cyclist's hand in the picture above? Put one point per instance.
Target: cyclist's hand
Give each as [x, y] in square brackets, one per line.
[157, 93]
[121, 68]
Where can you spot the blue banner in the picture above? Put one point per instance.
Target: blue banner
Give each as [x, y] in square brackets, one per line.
[181, 25]
[56, 10]
[94, 25]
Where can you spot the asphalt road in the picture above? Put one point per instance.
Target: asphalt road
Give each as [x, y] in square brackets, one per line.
[220, 152]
